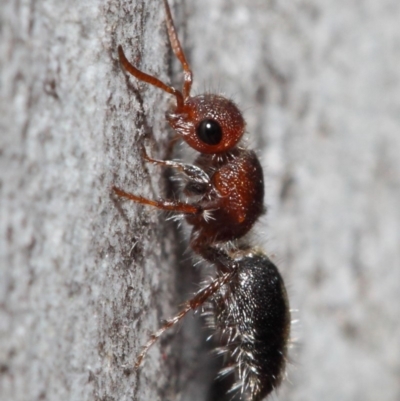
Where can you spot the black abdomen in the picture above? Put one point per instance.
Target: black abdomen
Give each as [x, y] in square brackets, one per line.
[253, 313]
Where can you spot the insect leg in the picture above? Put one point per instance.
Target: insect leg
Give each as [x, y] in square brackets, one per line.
[194, 173]
[161, 204]
[192, 304]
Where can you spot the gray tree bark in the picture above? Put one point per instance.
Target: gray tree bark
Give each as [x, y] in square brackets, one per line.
[85, 277]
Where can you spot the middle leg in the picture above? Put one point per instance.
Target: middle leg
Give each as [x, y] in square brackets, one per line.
[172, 206]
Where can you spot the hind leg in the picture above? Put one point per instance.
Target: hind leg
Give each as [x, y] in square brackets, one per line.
[198, 300]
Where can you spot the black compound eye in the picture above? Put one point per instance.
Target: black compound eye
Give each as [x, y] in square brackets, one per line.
[209, 132]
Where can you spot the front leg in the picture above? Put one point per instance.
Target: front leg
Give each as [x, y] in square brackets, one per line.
[199, 181]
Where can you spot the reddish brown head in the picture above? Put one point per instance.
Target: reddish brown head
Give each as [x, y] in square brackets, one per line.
[208, 123]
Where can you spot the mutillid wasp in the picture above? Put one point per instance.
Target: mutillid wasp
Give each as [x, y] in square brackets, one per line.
[224, 189]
